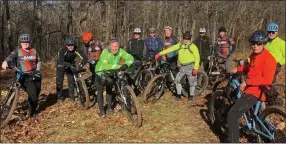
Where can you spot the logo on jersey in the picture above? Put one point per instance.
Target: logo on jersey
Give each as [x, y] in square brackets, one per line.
[222, 42]
[29, 57]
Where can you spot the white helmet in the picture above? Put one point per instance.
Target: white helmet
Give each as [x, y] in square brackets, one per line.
[203, 30]
[137, 30]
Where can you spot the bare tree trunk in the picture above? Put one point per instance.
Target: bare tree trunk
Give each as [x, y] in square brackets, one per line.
[146, 18]
[9, 27]
[179, 35]
[107, 21]
[215, 21]
[2, 49]
[160, 5]
[69, 24]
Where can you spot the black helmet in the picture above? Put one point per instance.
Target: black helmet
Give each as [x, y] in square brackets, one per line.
[25, 38]
[222, 29]
[187, 35]
[258, 36]
[70, 41]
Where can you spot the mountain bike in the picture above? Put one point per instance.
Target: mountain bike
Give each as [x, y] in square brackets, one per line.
[125, 95]
[165, 79]
[216, 67]
[82, 89]
[261, 121]
[142, 73]
[10, 97]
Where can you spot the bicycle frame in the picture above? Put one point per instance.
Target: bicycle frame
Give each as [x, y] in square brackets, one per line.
[251, 125]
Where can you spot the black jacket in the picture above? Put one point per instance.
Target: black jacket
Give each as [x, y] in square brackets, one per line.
[65, 56]
[203, 44]
[136, 47]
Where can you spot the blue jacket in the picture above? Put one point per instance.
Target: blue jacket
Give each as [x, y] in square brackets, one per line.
[153, 45]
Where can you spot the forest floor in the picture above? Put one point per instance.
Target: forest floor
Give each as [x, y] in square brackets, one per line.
[164, 121]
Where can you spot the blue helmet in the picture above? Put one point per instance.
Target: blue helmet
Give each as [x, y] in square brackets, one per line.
[258, 36]
[272, 27]
[70, 41]
[25, 38]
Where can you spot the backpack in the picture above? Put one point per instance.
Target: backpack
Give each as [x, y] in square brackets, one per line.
[186, 48]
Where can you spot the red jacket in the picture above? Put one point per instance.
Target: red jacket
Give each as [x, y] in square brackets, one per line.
[260, 71]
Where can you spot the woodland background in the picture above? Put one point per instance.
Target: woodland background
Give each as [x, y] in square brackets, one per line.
[49, 22]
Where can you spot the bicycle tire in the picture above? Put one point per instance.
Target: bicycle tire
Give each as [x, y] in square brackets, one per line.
[281, 99]
[218, 122]
[211, 107]
[275, 109]
[205, 82]
[149, 87]
[85, 96]
[141, 86]
[13, 107]
[135, 102]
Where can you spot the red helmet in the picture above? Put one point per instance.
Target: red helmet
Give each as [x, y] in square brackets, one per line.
[86, 37]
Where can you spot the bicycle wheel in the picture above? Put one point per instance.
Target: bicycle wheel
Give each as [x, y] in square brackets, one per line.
[8, 106]
[218, 109]
[281, 99]
[274, 118]
[83, 93]
[202, 82]
[144, 77]
[132, 106]
[154, 89]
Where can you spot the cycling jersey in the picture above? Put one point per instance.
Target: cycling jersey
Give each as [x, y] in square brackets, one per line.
[109, 60]
[65, 55]
[26, 61]
[260, 71]
[187, 53]
[277, 48]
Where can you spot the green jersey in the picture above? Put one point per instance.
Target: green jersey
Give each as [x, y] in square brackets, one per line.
[109, 60]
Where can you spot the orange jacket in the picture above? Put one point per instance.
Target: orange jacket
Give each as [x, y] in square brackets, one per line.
[260, 71]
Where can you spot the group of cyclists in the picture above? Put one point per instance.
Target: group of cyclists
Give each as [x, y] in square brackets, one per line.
[189, 55]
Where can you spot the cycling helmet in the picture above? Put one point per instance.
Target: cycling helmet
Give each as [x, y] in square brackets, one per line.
[187, 35]
[152, 30]
[114, 40]
[137, 30]
[203, 30]
[25, 38]
[272, 27]
[86, 37]
[70, 41]
[222, 29]
[258, 36]
[167, 27]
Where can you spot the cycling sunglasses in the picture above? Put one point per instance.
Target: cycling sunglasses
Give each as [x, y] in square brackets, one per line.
[256, 43]
[70, 45]
[271, 32]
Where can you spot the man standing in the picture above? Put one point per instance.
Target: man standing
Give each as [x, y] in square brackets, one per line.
[153, 43]
[92, 48]
[225, 46]
[189, 58]
[276, 46]
[27, 59]
[203, 44]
